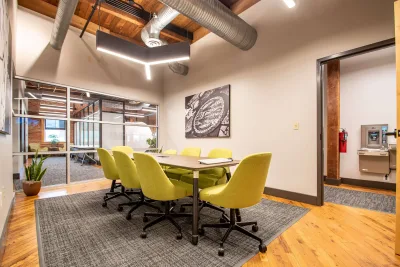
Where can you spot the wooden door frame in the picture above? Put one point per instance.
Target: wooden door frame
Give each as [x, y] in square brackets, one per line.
[320, 133]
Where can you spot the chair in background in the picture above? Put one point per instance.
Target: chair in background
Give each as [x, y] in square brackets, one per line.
[170, 152]
[126, 149]
[156, 185]
[208, 178]
[243, 190]
[130, 180]
[176, 173]
[110, 172]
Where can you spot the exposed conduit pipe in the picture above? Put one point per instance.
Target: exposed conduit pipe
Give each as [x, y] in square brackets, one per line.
[217, 18]
[151, 35]
[65, 11]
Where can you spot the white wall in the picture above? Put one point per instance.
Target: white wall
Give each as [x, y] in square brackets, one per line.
[273, 85]
[79, 63]
[367, 96]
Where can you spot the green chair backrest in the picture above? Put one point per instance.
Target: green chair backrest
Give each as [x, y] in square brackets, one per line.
[108, 164]
[218, 153]
[247, 184]
[155, 184]
[191, 151]
[127, 170]
[170, 152]
[126, 149]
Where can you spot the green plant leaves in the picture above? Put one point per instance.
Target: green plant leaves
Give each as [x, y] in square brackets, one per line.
[34, 172]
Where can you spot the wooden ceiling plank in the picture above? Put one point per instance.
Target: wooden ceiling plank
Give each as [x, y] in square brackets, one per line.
[49, 10]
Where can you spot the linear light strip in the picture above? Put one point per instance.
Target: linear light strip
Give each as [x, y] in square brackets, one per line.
[121, 56]
[290, 3]
[148, 71]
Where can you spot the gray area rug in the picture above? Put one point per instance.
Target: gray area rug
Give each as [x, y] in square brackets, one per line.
[57, 172]
[358, 199]
[76, 230]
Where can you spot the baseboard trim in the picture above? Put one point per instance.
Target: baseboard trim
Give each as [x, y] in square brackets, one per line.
[291, 195]
[3, 237]
[370, 184]
[333, 181]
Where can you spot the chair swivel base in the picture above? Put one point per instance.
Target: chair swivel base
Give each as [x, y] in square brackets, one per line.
[166, 215]
[233, 225]
[136, 204]
[115, 195]
[204, 204]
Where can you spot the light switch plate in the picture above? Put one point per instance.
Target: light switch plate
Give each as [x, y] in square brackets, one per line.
[296, 126]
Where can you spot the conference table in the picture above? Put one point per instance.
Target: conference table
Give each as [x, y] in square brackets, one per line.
[193, 164]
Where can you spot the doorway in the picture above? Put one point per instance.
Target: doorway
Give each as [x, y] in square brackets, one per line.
[321, 63]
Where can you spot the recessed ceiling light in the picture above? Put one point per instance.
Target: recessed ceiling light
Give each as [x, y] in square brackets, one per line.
[148, 71]
[290, 3]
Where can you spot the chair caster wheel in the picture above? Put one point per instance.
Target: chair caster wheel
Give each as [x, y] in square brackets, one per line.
[201, 231]
[120, 208]
[262, 248]
[104, 204]
[221, 252]
[182, 209]
[179, 236]
[143, 235]
[173, 204]
[128, 217]
[254, 228]
[105, 197]
[145, 219]
[239, 218]
[222, 220]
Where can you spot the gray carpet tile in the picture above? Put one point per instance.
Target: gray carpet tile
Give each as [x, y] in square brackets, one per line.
[57, 172]
[358, 199]
[76, 230]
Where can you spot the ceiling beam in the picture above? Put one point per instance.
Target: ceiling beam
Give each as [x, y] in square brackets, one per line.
[236, 8]
[135, 20]
[49, 10]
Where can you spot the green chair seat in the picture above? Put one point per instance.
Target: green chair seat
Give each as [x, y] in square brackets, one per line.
[205, 180]
[176, 173]
[188, 188]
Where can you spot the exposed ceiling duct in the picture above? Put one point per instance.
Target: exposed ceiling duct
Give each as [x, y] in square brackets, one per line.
[151, 35]
[65, 11]
[217, 18]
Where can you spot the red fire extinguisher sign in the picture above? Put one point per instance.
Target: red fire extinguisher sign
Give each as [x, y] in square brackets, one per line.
[343, 141]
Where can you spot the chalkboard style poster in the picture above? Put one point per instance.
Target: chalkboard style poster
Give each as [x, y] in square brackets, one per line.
[207, 114]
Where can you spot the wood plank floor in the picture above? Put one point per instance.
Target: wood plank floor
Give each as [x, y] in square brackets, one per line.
[331, 235]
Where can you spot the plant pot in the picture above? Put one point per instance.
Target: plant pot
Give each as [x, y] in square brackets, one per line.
[31, 188]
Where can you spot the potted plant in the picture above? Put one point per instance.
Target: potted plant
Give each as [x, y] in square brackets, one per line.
[54, 140]
[152, 142]
[34, 175]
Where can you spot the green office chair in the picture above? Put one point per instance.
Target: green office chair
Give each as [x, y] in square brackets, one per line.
[156, 185]
[126, 149]
[130, 179]
[110, 172]
[208, 178]
[176, 173]
[243, 190]
[169, 152]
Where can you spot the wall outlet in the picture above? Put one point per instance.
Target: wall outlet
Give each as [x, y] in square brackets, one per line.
[296, 126]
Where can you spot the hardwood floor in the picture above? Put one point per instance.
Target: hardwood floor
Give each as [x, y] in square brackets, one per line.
[331, 235]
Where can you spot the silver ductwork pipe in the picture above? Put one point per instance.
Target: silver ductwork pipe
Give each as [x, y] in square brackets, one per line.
[151, 35]
[65, 11]
[217, 18]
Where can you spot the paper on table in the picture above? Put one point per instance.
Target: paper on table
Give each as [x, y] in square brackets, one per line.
[214, 161]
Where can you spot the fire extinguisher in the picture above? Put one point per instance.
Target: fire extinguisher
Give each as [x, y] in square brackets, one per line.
[343, 141]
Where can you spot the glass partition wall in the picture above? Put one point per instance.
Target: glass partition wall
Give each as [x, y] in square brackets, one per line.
[67, 125]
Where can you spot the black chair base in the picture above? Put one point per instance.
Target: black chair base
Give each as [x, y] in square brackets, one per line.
[107, 197]
[233, 225]
[167, 215]
[204, 204]
[136, 204]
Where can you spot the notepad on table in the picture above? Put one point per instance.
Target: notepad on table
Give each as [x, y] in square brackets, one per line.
[214, 161]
